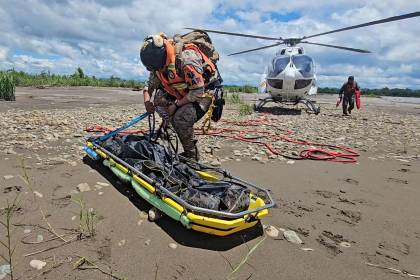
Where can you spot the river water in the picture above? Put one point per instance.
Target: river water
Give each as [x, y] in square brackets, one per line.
[412, 100]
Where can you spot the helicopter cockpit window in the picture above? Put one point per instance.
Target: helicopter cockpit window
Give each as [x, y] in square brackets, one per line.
[304, 64]
[278, 65]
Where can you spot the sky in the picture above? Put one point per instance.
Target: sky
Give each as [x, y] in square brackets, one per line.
[103, 37]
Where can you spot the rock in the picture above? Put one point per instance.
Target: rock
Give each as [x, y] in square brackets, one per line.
[38, 194]
[73, 218]
[102, 184]
[306, 249]
[121, 243]
[215, 163]
[345, 244]
[26, 231]
[290, 162]
[272, 231]
[4, 271]
[37, 264]
[8, 177]
[208, 150]
[292, 237]
[147, 242]
[39, 238]
[83, 187]
[237, 153]
[256, 158]
[100, 193]
[172, 245]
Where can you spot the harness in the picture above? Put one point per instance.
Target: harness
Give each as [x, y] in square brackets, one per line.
[172, 78]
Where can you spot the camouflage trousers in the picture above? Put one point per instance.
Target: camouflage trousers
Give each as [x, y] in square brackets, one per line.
[182, 121]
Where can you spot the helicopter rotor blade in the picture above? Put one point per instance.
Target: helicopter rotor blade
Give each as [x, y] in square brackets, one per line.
[394, 18]
[252, 50]
[236, 34]
[337, 47]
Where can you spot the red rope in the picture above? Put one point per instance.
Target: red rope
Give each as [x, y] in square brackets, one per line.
[334, 153]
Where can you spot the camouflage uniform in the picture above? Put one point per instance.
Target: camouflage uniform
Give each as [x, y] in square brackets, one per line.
[184, 118]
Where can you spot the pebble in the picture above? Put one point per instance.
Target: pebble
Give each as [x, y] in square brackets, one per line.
[345, 244]
[292, 237]
[38, 194]
[39, 238]
[4, 271]
[290, 162]
[147, 242]
[8, 177]
[306, 249]
[215, 163]
[83, 187]
[100, 193]
[37, 264]
[102, 184]
[172, 245]
[272, 231]
[26, 231]
[73, 218]
[121, 243]
[256, 158]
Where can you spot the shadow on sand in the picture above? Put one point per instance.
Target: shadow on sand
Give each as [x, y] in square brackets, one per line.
[173, 228]
[280, 111]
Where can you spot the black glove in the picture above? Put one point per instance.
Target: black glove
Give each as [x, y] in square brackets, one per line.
[150, 108]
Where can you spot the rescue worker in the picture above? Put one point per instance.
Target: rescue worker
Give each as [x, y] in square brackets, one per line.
[181, 80]
[348, 91]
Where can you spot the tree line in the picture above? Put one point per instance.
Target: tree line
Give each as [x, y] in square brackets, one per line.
[79, 78]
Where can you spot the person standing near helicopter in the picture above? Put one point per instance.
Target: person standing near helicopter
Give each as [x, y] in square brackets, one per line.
[348, 91]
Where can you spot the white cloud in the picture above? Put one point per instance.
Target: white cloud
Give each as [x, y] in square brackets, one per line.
[103, 36]
[3, 53]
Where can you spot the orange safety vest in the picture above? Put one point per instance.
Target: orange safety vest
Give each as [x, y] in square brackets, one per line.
[174, 84]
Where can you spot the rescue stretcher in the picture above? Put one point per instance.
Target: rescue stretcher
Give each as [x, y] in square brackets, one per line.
[215, 222]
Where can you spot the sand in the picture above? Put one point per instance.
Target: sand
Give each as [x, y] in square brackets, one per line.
[348, 214]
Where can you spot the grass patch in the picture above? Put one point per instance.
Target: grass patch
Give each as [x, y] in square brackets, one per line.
[87, 217]
[243, 107]
[9, 213]
[7, 87]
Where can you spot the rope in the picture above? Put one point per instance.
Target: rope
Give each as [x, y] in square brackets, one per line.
[207, 117]
[264, 138]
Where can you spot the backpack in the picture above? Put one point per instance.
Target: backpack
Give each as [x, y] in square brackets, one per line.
[202, 40]
[199, 38]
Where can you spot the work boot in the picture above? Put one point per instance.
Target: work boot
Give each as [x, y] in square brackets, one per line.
[191, 155]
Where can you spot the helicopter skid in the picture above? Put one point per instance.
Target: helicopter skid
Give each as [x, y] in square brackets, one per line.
[310, 104]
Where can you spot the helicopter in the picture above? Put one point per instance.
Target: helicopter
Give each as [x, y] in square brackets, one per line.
[290, 77]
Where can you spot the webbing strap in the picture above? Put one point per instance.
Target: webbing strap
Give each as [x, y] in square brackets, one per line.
[134, 121]
[207, 117]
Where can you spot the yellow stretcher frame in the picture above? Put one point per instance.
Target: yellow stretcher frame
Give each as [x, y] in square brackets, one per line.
[198, 222]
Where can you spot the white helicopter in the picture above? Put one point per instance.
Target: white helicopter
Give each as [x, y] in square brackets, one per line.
[290, 76]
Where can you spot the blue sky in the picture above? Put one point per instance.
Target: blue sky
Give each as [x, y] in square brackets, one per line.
[103, 36]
